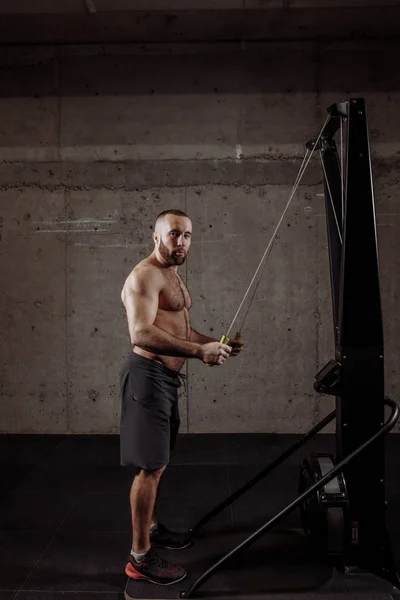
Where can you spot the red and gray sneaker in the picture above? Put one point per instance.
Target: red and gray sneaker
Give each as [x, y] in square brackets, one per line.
[164, 538]
[154, 568]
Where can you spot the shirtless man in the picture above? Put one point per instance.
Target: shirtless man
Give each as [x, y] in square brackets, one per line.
[157, 305]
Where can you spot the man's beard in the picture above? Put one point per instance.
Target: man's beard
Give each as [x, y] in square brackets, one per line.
[170, 255]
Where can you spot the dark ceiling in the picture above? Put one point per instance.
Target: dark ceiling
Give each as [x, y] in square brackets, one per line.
[124, 21]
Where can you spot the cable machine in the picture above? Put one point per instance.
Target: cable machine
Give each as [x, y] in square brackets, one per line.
[342, 498]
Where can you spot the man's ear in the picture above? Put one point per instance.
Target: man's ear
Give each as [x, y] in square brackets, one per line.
[155, 236]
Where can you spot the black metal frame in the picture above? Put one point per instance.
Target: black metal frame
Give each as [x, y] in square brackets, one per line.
[356, 376]
[358, 330]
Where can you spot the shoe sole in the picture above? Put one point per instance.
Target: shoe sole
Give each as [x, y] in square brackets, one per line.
[136, 576]
[173, 547]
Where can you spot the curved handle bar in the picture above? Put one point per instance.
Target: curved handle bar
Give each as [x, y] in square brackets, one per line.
[390, 423]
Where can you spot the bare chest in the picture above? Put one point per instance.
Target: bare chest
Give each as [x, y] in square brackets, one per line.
[175, 295]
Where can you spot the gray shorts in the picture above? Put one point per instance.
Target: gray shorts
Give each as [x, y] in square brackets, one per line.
[149, 412]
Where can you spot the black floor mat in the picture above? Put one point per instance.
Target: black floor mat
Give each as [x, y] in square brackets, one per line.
[65, 529]
[278, 565]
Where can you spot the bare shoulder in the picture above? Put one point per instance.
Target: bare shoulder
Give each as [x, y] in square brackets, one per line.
[144, 278]
[145, 275]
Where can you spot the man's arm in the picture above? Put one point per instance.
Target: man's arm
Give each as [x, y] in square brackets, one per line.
[141, 302]
[236, 345]
[198, 338]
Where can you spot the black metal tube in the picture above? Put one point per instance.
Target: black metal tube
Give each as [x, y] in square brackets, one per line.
[272, 465]
[307, 494]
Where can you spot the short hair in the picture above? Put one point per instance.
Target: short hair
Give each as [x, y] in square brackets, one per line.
[171, 211]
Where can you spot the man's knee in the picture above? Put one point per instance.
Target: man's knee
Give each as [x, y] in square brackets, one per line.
[154, 474]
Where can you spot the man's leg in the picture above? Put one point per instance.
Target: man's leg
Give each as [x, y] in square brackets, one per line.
[174, 422]
[143, 498]
[159, 535]
[154, 516]
[143, 562]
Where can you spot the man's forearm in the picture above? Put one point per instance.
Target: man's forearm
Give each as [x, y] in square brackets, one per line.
[156, 340]
[198, 338]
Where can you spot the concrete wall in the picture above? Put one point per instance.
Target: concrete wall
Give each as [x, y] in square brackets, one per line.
[96, 141]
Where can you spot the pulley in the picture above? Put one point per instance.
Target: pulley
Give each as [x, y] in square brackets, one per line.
[324, 514]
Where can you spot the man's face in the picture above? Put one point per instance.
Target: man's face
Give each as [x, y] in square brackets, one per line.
[172, 238]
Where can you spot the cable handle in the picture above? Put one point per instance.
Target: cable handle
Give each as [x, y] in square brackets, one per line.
[225, 340]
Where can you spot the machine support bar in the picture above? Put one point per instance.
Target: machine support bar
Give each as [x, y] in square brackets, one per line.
[268, 469]
[307, 494]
